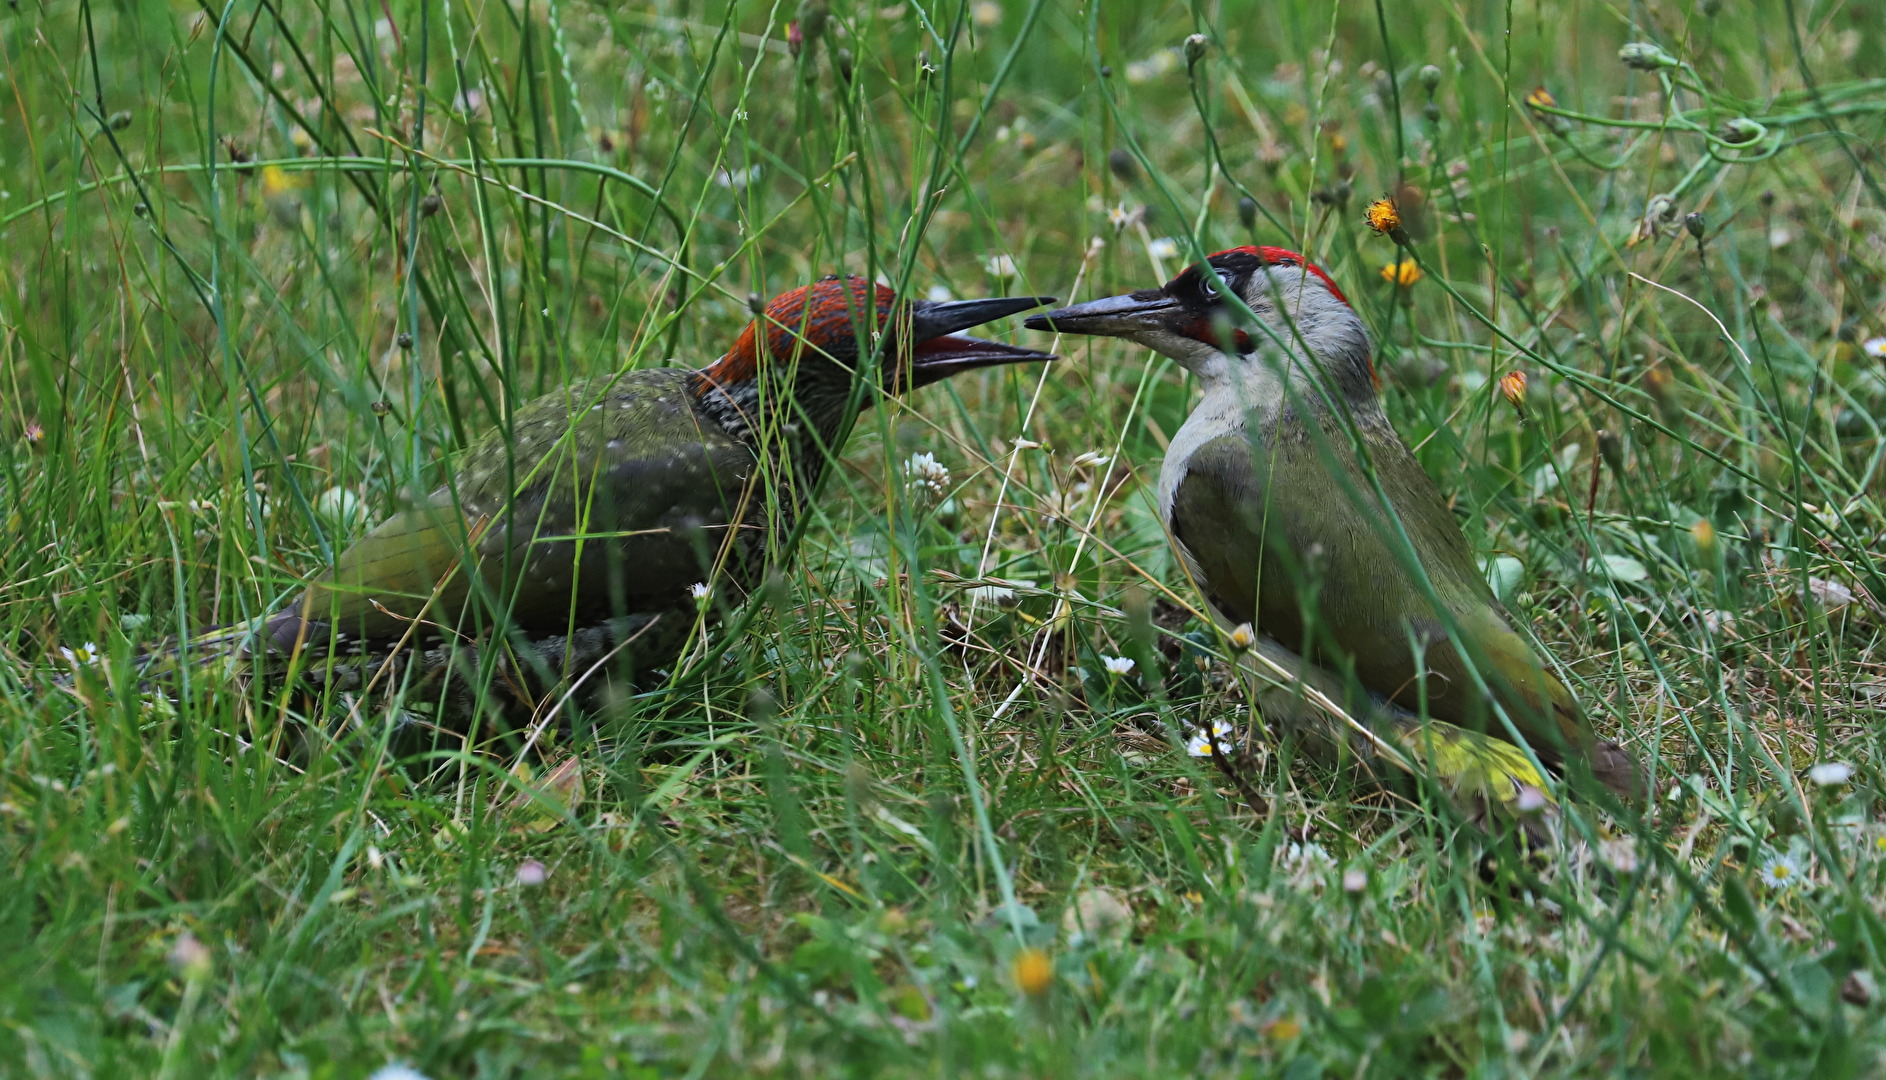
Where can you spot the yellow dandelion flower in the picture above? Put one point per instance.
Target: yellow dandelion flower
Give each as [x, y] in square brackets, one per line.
[1383, 216]
[1541, 98]
[1513, 386]
[277, 182]
[1401, 274]
[1033, 972]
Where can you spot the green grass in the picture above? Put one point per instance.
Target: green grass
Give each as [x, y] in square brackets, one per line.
[196, 346]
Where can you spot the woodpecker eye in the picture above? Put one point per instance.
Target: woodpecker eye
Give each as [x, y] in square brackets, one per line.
[1214, 283]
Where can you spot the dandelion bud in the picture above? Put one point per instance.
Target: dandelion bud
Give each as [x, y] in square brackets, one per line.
[1106, 71]
[843, 62]
[1643, 56]
[381, 408]
[811, 21]
[404, 341]
[1611, 449]
[795, 39]
[1704, 534]
[1123, 165]
[1694, 224]
[119, 120]
[1740, 130]
[1195, 48]
[1430, 78]
[1247, 212]
[1767, 199]
[1432, 112]
[1513, 388]
[431, 204]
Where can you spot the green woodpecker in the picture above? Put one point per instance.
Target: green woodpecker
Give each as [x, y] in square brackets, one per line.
[1335, 555]
[593, 530]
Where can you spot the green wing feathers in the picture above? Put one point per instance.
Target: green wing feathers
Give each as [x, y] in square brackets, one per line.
[1278, 542]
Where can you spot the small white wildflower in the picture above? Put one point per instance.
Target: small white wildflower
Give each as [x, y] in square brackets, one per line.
[736, 179]
[375, 857]
[1002, 267]
[986, 14]
[1307, 856]
[189, 957]
[1354, 880]
[1780, 872]
[85, 655]
[1205, 743]
[1531, 800]
[1874, 347]
[1779, 237]
[531, 873]
[1830, 773]
[1092, 459]
[939, 294]
[1159, 63]
[1120, 216]
[698, 590]
[1117, 665]
[1243, 637]
[1026, 444]
[1165, 247]
[923, 471]
[1619, 853]
[397, 1070]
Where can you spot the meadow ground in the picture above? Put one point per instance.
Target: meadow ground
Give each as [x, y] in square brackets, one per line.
[264, 265]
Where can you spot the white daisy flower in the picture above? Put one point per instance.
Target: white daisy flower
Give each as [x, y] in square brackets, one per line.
[1117, 665]
[85, 655]
[1165, 247]
[1874, 347]
[1002, 267]
[698, 590]
[1780, 872]
[1243, 637]
[1204, 744]
[940, 294]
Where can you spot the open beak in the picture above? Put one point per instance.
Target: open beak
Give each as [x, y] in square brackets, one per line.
[1110, 316]
[941, 352]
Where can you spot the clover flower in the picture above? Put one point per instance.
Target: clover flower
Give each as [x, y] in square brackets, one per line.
[924, 472]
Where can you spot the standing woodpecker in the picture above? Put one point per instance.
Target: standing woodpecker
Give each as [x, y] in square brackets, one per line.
[1337, 558]
[613, 505]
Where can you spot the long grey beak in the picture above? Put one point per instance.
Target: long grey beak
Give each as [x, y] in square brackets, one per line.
[1110, 316]
[940, 352]
[934, 319]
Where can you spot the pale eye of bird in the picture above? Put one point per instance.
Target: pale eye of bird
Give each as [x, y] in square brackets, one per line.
[1215, 283]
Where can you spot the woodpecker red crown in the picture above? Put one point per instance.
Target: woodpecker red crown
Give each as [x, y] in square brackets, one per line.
[820, 315]
[1276, 256]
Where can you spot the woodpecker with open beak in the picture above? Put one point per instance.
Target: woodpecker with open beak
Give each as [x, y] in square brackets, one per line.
[615, 505]
[1331, 564]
